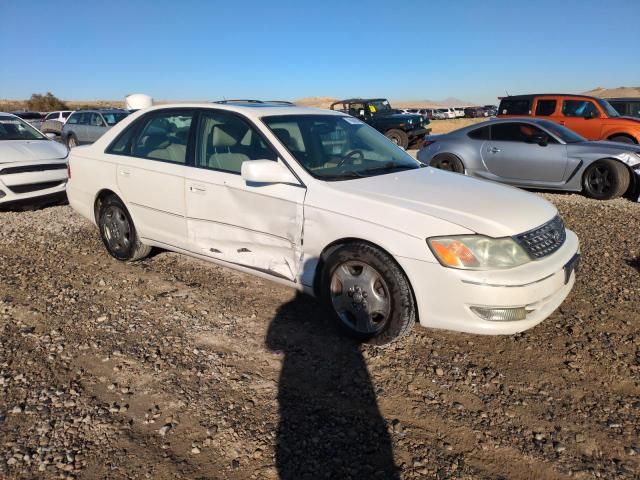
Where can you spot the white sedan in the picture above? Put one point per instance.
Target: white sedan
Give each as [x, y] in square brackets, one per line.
[320, 201]
[33, 168]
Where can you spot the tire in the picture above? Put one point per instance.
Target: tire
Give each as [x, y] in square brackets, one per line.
[606, 179]
[118, 232]
[622, 139]
[448, 162]
[374, 281]
[72, 141]
[398, 137]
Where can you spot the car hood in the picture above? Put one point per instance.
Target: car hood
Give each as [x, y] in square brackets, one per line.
[29, 150]
[478, 205]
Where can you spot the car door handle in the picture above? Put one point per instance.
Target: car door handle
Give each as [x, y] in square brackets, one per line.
[197, 188]
[561, 122]
[494, 149]
[125, 173]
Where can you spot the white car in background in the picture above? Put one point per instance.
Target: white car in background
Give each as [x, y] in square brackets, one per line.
[32, 167]
[444, 113]
[60, 116]
[320, 201]
[458, 112]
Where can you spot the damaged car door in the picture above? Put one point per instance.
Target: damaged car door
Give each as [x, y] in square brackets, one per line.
[258, 226]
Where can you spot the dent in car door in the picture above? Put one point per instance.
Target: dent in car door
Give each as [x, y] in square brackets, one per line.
[256, 226]
[253, 225]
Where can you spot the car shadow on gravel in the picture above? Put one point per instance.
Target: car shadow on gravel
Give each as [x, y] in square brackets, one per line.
[330, 425]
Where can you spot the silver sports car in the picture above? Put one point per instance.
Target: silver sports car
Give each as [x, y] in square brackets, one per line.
[535, 153]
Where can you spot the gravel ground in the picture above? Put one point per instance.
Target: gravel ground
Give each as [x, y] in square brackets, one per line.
[175, 368]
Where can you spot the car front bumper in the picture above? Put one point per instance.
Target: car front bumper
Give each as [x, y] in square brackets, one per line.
[21, 182]
[445, 296]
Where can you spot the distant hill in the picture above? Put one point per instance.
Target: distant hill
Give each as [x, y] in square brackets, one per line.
[602, 92]
[325, 102]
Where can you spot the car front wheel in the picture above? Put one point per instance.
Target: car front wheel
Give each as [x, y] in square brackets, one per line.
[606, 179]
[118, 232]
[72, 141]
[398, 137]
[368, 293]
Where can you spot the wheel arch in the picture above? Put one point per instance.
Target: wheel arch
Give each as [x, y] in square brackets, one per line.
[100, 197]
[336, 244]
[622, 134]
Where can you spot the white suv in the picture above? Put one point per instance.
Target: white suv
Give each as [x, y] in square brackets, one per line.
[320, 201]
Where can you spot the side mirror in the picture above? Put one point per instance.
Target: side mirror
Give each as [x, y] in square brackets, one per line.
[266, 171]
[50, 135]
[540, 139]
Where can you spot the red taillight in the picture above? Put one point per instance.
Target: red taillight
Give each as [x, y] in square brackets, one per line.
[426, 143]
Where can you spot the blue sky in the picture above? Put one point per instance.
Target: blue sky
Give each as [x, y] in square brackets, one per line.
[423, 49]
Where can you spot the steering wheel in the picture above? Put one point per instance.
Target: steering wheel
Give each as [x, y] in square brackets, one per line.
[349, 156]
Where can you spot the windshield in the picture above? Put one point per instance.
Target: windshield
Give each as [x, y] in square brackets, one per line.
[333, 147]
[563, 133]
[13, 128]
[379, 106]
[113, 117]
[606, 106]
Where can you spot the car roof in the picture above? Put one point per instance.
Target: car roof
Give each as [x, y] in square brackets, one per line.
[359, 100]
[494, 121]
[251, 109]
[533, 95]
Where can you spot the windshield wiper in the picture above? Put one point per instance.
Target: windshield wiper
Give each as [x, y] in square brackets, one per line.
[344, 176]
[388, 168]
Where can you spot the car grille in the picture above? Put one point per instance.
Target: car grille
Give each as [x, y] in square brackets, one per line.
[34, 187]
[33, 168]
[544, 240]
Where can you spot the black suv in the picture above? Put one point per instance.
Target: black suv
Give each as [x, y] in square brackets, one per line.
[404, 129]
[629, 107]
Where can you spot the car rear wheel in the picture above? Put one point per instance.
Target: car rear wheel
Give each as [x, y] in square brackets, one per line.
[448, 162]
[72, 141]
[606, 179]
[622, 139]
[118, 232]
[398, 137]
[368, 293]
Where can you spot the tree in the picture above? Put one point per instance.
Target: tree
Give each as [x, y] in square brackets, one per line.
[45, 103]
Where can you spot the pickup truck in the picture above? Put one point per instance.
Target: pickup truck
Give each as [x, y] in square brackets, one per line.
[401, 128]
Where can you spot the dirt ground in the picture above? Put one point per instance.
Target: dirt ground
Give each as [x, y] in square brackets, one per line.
[176, 368]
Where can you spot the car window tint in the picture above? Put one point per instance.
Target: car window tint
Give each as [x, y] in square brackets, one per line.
[84, 118]
[516, 132]
[122, 144]
[578, 108]
[65, 114]
[225, 141]
[483, 133]
[73, 119]
[164, 136]
[95, 120]
[546, 107]
[51, 116]
[510, 106]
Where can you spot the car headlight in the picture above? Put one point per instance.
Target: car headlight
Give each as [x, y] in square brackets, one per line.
[477, 252]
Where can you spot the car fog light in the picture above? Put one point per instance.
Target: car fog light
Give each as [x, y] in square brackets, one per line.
[501, 314]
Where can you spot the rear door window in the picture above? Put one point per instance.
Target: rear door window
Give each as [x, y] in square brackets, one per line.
[164, 136]
[544, 108]
[513, 106]
[483, 133]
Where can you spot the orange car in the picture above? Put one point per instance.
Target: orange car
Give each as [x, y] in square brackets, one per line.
[593, 118]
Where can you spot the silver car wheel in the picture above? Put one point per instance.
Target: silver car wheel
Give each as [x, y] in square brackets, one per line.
[360, 297]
